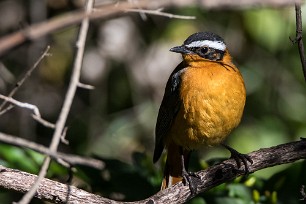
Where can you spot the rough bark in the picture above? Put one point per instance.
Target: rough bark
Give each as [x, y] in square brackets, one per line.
[226, 171]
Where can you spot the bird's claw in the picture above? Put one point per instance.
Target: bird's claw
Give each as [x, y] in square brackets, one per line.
[191, 179]
[239, 157]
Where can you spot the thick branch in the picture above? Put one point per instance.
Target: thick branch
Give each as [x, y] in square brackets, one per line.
[211, 177]
[52, 191]
[224, 172]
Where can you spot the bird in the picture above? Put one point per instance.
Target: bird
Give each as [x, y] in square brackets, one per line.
[203, 102]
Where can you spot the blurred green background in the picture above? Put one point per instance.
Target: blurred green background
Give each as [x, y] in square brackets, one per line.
[128, 62]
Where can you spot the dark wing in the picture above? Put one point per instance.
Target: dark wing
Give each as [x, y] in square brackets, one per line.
[168, 109]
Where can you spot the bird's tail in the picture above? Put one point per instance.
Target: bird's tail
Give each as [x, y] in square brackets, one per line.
[173, 168]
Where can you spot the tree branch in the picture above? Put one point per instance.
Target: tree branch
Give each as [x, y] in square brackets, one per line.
[60, 124]
[49, 190]
[220, 173]
[36, 113]
[159, 12]
[299, 37]
[69, 158]
[38, 30]
[225, 171]
[26, 76]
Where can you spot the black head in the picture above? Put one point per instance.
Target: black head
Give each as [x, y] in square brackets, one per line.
[205, 44]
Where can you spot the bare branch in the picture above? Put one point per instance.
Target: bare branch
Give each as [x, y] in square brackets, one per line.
[299, 37]
[60, 124]
[179, 193]
[68, 158]
[85, 86]
[159, 12]
[38, 30]
[32, 107]
[43, 122]
[21, 104]
[6, 109]
[48, 190]
[63, 137]
[24, 78]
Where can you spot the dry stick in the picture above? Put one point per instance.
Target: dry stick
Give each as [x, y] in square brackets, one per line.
[21, 104]
[59, 127]
[9, 107]
[24, 78]
[159, 12]
[38, 30]
[43, 121]
[299, 40]
[32, 107]
[213, 176]
[52, 191]
[85, 86]
[299, 36]
[69, 158]
[63, 137]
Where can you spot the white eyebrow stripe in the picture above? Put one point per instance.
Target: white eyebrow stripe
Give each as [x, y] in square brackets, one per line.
[219, 45]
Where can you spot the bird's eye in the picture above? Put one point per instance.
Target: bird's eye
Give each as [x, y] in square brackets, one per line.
[203, 50]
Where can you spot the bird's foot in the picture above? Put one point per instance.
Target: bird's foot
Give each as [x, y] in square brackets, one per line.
[239, 157]
[191, 179]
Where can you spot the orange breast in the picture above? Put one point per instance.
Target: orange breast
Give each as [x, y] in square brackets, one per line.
[213, 99]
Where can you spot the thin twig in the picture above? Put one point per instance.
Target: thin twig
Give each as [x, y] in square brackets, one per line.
[85, 86]
[159, 12]
[9, 107]
[21, 104]
[143, 16]
[69, 158]
[43, 121]
[299, 36]
[36, 114]
[24, 78]
[60, 124]
[38, 30]
[63, 136]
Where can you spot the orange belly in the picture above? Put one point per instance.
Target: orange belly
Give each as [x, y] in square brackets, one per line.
[213, 100]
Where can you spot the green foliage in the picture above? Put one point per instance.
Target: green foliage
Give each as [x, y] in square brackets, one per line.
[26, 160]
[258, 24]
[18, 158]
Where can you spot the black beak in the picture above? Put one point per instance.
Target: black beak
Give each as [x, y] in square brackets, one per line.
[180, 49]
